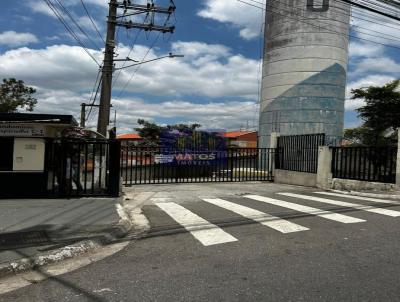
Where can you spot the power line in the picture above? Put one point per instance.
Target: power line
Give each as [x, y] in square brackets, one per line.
[139, 66]
[129, 53]
[379, 12]
[359, 11]
[148, 51]
[393, 38]
[98, 78]
[321, 27]
[69, 30]
[94, 100]
[115, 20]
[91, 20]
[76, 23]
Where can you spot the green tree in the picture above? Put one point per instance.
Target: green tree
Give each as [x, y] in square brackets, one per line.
[151, 132]
[14, 94]
[380, 114]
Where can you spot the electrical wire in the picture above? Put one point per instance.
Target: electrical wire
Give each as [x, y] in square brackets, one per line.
[98, 78]
[69, 30]
[92, 21]
[129, 53]
[321, 27]
[389, 36]
[139, 66]
[145, 56]
[71, 17]
[94, 100]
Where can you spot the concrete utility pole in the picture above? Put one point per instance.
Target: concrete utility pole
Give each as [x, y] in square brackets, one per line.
[108, 65]
[105, 96]
[83, 115]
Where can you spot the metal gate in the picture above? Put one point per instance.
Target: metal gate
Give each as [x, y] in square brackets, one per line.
[299, 152]
[76, 168]
[145, 165]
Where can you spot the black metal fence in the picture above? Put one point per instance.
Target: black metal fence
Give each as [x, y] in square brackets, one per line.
[299, 152]
[141, 165]
[376, 164]
[78, 168]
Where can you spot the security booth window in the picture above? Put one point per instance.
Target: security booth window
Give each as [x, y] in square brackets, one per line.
[6, 153]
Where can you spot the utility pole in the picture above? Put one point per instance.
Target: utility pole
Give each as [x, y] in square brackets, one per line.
[105, 96]
[150, 10]
[83, 115]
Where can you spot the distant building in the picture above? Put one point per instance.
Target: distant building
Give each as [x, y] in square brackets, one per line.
[241, 139]
[129, 138]
[234, 139]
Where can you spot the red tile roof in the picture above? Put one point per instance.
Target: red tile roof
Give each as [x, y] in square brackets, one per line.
[233, 134]
[129, 136]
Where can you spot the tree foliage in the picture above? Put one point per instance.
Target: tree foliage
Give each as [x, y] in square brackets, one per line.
[380, 115]
[15, 94]
[151, 132]
[364, 136]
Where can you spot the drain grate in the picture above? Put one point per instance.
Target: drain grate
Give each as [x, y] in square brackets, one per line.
[22, 239]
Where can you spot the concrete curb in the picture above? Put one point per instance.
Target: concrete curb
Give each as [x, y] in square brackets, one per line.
[119, 230]
[67, 252]
[364, 194]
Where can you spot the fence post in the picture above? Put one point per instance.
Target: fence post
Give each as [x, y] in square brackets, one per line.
[114, 187]
[398, 160]
[324, 173]
[274, 140]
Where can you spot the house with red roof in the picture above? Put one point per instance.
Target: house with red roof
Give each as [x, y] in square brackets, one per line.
[241, 139]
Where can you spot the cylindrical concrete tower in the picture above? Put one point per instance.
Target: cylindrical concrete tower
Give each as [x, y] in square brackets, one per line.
[304, 70]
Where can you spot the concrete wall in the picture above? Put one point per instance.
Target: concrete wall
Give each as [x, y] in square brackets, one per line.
[358, 185]
[295, 178]
[304, 70]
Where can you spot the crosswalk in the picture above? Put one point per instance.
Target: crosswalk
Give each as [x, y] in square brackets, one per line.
[204, 231]
[208, 233]
[276, 223]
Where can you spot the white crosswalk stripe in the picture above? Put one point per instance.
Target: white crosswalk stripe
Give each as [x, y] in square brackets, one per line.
[273, 222]
[386, 212]
[306, 209]
[360, 197]
[204, 231]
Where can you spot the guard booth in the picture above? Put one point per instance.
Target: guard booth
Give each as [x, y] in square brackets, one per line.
[24, 140]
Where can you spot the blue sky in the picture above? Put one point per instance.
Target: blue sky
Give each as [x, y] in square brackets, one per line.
[216, 84]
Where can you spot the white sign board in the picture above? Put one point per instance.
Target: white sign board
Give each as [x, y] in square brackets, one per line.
[28, 154]
[22, 130]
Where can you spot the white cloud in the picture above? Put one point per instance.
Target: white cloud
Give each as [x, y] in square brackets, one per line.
[64, 76]
[375, 80]
[54, 67]
[382, 65]
[363, 49]
[13, 39]
[207, 70]
[222, 115]
[248, 19]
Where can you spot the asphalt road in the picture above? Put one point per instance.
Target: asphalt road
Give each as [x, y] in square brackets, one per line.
[320, 259]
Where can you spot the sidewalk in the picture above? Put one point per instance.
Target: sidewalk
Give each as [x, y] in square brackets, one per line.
[30, 229]
[371, 193]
